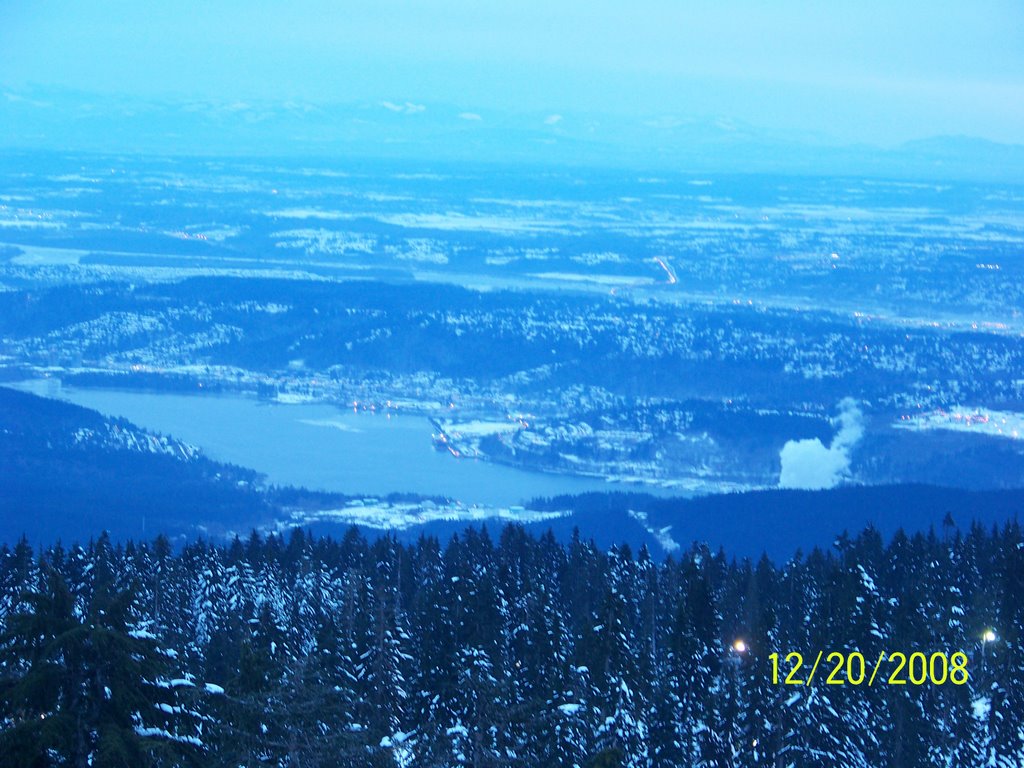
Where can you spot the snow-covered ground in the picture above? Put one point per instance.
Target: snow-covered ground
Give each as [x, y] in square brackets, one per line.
[663, 535]
[480, 428]
[384, 515]
[37, 255]
[980, 421]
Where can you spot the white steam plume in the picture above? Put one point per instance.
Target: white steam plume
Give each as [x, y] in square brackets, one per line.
[810, 465]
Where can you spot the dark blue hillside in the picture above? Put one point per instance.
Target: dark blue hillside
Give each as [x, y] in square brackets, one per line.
[780, 522]
[69, 473]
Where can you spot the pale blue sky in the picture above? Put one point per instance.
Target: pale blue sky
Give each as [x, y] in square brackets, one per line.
[857, 71]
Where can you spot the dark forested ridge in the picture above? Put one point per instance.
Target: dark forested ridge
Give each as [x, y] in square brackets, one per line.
[780, 521]
[69, 472]
[514, 651]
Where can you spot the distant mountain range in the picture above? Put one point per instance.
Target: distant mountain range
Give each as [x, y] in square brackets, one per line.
[429, 133]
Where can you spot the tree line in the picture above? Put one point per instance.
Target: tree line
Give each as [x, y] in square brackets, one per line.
[516, 651]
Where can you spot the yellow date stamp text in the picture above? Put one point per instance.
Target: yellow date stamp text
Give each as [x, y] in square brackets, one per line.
[852, 668]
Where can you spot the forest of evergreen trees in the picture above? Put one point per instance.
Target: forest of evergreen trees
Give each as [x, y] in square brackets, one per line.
[515, 651]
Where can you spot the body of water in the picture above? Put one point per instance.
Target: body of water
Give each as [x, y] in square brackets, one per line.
[323, 447]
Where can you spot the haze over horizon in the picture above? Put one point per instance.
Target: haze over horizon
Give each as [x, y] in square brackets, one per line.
[873, 73]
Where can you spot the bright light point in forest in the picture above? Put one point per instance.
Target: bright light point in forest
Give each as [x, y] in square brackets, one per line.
[739, 646]
[989, 636]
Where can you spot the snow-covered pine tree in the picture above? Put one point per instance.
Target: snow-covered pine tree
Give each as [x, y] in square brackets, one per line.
[385, 667]
[616, 650]
[19, 580]
[82, 687]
